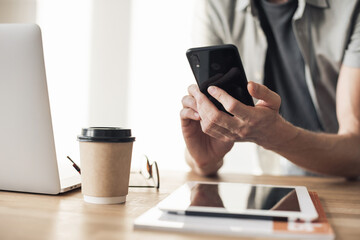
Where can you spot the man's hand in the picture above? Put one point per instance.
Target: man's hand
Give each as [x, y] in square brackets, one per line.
[210, 133]
[204, 152]
[260, 124]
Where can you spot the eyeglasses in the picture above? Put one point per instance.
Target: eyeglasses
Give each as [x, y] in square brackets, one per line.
[147, 177]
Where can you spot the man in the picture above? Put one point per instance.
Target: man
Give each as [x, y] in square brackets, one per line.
[303, 62]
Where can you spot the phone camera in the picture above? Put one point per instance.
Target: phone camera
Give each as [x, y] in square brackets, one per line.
[195, 60]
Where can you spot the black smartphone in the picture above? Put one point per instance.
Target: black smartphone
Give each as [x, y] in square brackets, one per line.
[220, 66]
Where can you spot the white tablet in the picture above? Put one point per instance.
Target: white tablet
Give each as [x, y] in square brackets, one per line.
[241, 200]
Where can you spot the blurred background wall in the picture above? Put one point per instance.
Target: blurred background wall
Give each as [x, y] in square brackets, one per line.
[119, 63]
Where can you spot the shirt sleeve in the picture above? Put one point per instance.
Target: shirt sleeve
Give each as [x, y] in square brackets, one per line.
[204, 30]
[352, 52]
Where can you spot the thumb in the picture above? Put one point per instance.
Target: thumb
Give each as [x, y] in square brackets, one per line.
[267, 98]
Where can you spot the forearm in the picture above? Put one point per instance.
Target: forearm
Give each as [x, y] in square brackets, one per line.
[335, 154]
[332, 154]
[208, 169]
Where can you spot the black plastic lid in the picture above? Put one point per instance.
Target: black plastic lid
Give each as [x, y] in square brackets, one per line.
[105, 134]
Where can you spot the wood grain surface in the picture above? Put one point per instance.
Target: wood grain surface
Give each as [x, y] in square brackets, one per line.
[67, 216]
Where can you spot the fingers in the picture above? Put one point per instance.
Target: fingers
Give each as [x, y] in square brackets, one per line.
[267, 97]
[189, 110]
[203, 104]
[231, 105]
[192, 89]
[189, 102]
[216, 125]
[213, 121]
[188, 113]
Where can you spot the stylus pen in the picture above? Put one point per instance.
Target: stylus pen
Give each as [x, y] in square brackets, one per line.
[77, 168]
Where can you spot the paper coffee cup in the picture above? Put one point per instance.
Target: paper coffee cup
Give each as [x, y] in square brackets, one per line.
[105, 157]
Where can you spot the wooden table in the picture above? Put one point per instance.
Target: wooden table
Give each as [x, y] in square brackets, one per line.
[67, 216]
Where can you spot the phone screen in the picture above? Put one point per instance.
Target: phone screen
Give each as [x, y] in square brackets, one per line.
[220, 66]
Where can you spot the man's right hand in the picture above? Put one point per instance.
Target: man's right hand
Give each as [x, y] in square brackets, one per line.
[205, 153]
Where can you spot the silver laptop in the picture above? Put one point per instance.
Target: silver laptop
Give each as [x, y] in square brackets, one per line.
[27, 150]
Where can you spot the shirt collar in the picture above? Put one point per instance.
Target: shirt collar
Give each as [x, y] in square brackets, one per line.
[242, 5]
[318, 3]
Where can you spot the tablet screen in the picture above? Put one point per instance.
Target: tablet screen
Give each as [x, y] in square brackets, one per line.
[244, 197]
